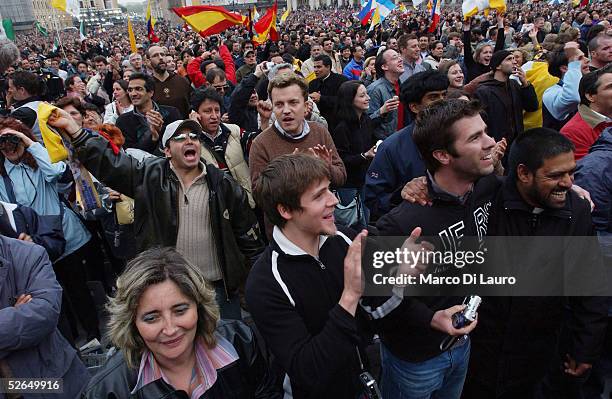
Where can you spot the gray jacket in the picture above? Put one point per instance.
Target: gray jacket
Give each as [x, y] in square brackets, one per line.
[380, 91]
[31, 346]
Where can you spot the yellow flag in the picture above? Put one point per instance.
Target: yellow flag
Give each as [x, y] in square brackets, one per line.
[131, 35]
[53, 141]
[310, 77]
[284, 16]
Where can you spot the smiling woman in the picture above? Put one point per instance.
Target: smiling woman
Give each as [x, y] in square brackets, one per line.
[164, 321]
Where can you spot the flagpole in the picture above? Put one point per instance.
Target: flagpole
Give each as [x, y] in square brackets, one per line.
[57, 31]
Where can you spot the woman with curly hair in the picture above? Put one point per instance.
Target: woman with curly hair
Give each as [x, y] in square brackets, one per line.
[30, 179]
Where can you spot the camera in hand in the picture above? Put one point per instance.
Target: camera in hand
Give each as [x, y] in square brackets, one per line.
[9, 142]
[462, 319]
[369, 386]
[468, 315]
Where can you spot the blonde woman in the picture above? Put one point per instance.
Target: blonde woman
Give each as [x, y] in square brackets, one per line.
[163, 320]
[369, 72]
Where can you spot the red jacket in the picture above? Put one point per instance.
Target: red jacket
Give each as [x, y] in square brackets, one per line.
[584, 129]
[197, 77]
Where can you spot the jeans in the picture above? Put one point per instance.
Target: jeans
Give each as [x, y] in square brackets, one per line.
[441, 377]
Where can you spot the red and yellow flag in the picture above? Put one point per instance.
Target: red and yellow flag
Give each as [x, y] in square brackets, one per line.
[265, 27]
[208, 20]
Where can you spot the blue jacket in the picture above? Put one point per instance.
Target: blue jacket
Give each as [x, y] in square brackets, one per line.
[30, 343]
[397, 161]
[353, 70]
[594, 174]
[562, 99]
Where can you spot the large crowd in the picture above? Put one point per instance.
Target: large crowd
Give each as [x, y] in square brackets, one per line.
[190, 219]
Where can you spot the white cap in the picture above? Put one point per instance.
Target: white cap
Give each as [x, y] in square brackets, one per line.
[172, 128]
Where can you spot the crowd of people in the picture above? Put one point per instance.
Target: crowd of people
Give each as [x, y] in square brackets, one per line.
[197, 210]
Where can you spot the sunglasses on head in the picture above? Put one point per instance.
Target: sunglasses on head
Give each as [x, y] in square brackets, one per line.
[183, 136]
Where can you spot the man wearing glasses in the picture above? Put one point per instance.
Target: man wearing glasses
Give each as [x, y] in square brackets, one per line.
[180, 202]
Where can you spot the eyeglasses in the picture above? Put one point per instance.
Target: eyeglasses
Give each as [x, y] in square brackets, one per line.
[221, 88]
[183, 136]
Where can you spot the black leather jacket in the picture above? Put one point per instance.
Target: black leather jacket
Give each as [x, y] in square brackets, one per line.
[155, 187]
[247, 377]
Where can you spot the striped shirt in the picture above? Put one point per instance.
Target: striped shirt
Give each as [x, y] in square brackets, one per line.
[204, 374]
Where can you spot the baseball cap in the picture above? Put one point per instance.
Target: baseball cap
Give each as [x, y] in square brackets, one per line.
[175, 126]
[246, 53]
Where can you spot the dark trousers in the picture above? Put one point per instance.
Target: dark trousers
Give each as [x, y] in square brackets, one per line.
[72, 273]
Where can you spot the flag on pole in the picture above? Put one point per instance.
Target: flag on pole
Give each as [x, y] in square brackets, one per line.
[402, 7]
[6, 29]
[41, 29]
[131, 36]
[266, 26]
[473, 7]
[366, 12]
[375, 19]
[256, 15]
[208, 20]
[151, 25]
[283, 17]
[69, 6]
[82, 32]
[435, 16]
[385, 7]
[56, 45]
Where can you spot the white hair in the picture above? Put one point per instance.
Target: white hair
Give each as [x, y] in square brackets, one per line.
[9, 54]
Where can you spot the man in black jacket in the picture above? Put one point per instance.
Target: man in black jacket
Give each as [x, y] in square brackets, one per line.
[504, 99]
[143, 126]
[541, 347]
[324, 89]
[180, 202]
[459, 156]
[304, 290]
[243, 105]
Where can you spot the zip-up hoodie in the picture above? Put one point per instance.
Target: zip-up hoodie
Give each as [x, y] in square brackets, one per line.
[404, 324]
[293, 298]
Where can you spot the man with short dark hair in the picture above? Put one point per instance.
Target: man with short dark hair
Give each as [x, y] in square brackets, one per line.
[24, 91]
[600, 51]
[397, 159]
[594, 112]
[459, 155]
[170, 89]
[303, 291]
[536, 199]
[221, 142]
[99, 83]
[560, 101]
[142, 126]
[180, 202]
[328, 49]
[308, 65]
[409, 46]
[504, 99]
[353, 69]
[324, 89]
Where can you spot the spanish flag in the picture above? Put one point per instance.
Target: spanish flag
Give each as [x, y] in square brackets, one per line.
[265, 27]
[208, 20]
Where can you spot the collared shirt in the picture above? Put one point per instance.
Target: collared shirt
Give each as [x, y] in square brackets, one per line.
[304, 133]
[37, 189]
[218, 145]
[194, 239]
[439, 190]
[410, 69]
[204, 374]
